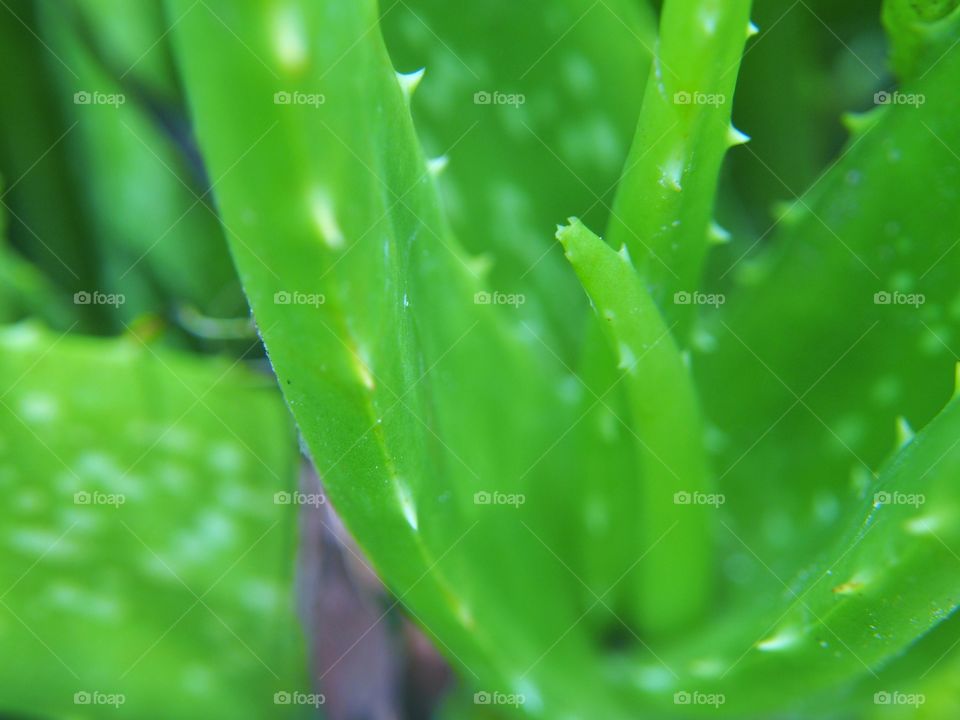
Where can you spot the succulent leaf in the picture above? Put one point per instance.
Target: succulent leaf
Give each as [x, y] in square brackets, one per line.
[665, 201]
[673, 580]
[159, 476]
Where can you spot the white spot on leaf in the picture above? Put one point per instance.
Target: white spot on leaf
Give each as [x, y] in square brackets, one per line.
[923, 525]
[407, 506]
[38, 407]
[321, 209]
[289, 39]
[779, 641]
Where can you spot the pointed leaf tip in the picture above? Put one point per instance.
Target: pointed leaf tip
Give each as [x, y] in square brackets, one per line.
[563, 231]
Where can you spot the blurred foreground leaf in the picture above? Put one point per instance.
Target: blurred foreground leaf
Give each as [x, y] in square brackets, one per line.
[146, 559]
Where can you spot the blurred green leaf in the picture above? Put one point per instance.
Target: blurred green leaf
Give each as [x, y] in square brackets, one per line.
[921, 33]
[45, 217]
[157, 232]
[24, 291]
[146, 554]
[889, 578]
[861, 283]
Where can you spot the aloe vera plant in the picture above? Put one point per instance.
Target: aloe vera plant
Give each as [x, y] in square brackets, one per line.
[613, 459]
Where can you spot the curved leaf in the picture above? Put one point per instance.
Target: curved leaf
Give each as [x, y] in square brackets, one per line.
[674, 580]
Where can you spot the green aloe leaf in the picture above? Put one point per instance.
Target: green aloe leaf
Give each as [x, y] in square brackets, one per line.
[609, 537]
[890, 578]
[673, 583]
[921, 32]
[664, 207]
[586, 58]
[862, 271]
[924, 674]
[684, 128]
[145, 546]
[430, 411]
